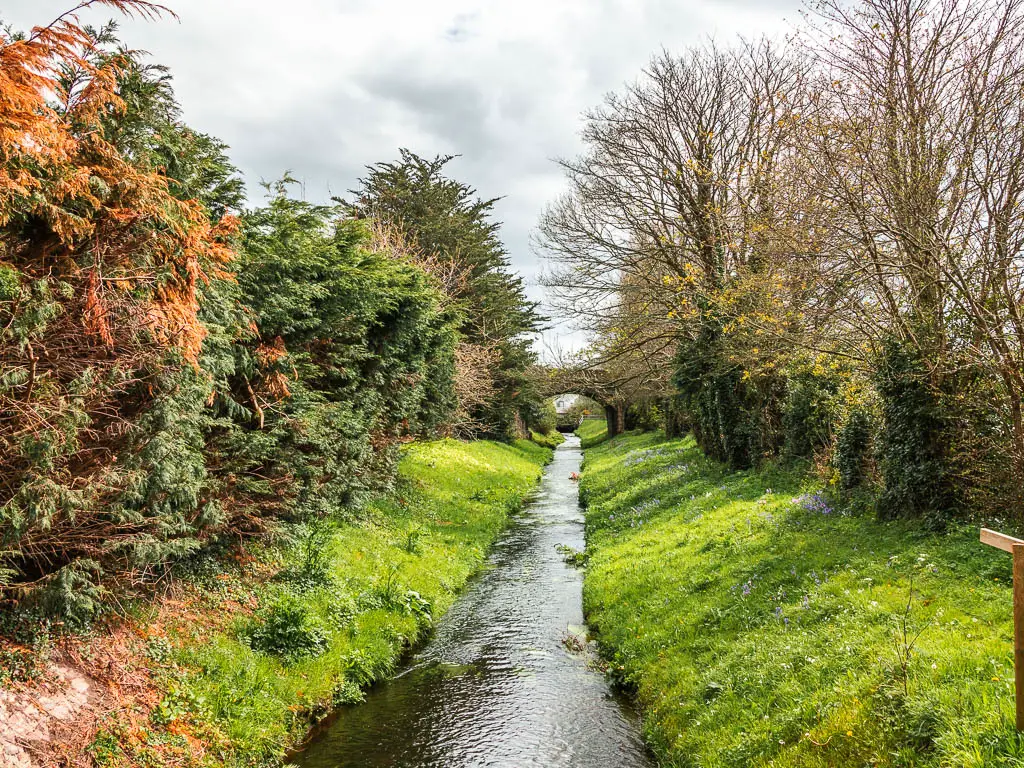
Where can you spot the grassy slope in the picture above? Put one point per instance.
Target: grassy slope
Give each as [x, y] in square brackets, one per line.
[592, 432]
[761, 632]
[550, 440]
[405, 554]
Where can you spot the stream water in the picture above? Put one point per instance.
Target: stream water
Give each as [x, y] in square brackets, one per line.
[497, 685]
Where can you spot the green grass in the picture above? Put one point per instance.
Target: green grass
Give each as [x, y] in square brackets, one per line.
[592, 432]
[378, 585]
[759, 628]
[552, 439]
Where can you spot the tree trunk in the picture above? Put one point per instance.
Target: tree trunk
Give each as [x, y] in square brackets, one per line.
[675, 423]
[611, 416]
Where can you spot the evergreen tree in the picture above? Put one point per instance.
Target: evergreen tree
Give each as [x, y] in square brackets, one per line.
[353, 351]
[445, 219]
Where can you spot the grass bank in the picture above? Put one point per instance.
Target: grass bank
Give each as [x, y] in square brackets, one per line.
[247, 662]
[551, 440]
[592, 432]
[762, 626]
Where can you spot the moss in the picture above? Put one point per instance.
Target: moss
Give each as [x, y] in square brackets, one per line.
[761, 625]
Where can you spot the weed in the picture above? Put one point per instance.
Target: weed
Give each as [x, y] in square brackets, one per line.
[573, 557]
[573, 643]
[287, 630]
[311, 569]
[413, 534]
[347, 692]
[178, 703]
[159, 649]
[105, 748]
[905, 640]
[25, 656]
[551, 439]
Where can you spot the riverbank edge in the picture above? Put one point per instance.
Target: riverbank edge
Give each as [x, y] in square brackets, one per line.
[758, 623]
[334, 610]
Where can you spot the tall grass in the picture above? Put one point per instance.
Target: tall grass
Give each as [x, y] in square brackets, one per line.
[761, 625]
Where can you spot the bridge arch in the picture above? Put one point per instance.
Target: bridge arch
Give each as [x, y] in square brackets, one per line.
[588, 383]
[567, 409]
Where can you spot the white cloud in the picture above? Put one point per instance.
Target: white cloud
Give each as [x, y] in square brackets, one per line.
[325, 87]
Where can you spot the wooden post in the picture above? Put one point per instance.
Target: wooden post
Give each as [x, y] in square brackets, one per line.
[1016, 548]
[1018, 631]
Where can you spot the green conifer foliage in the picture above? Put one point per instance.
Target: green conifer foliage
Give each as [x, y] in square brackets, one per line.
[353, 352]
[151, 407]
[445, 219]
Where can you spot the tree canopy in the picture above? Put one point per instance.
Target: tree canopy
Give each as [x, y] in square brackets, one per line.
[445, 222]
[812, 249]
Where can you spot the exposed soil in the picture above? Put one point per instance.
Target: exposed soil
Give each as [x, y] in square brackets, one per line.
[51, 719]
[83, 684]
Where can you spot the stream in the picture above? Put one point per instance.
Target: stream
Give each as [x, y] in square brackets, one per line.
[502, 682]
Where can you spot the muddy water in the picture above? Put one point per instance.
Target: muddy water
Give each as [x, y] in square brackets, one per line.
[497, 686]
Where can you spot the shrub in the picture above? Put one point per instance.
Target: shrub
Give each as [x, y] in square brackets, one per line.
[540, 416]
[913, 442]
[735, 417]
[808, 418]
[197, 374]
[853, 449]
[286, 630]
[645, 415]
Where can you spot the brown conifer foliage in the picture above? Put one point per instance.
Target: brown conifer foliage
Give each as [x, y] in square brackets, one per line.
[101, 271]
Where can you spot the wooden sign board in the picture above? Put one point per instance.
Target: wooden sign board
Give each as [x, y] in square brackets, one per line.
[999, 540]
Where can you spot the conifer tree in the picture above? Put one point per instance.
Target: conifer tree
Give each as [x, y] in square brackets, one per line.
[445, 219]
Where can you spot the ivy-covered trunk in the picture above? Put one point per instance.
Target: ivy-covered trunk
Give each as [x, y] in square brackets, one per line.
[914, 440]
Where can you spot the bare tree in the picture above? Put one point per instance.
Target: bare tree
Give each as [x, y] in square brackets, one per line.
[915, 147]
[675, 197]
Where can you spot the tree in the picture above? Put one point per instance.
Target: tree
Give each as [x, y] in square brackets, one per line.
[352, 352]
[444, 221]
[102, 268]
[913, 145]
[675, 201]
[169, 373]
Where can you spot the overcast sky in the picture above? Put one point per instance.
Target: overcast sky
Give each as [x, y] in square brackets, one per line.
[325, 87]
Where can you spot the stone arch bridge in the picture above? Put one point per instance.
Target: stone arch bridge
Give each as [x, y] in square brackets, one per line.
[591, 383]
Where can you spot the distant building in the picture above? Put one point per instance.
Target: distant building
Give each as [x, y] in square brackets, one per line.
[564, 403]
